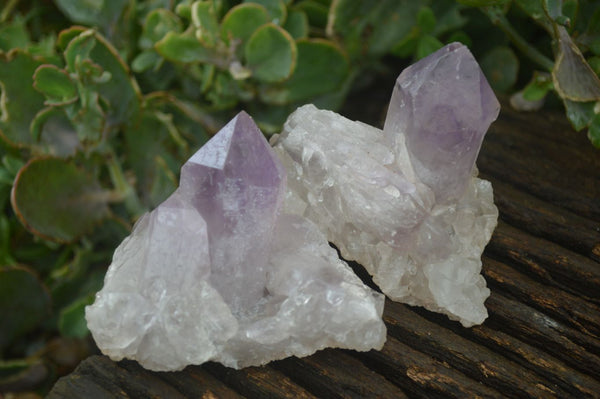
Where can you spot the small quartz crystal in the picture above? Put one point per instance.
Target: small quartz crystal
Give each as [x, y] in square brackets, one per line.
[404, 202]
[219, 272]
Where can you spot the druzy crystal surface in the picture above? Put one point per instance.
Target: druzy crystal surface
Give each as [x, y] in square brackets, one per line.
[404, 202]
[219, 272]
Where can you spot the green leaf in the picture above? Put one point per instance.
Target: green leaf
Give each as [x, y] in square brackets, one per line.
[100, 13]
[573, 78]
[205, 21]
[297, 25]
[183, 48]
[538, 87]
[271, 53]
[594, 131]
[275, 8]
[242, 21]
[484, 3]
[24, 303]
[19, 101]
[322, 68]
[500, 65]
[460, 36]
[535, 9]
[579, 114]
[55, 84]
[426, 45]
[157, 24]
[71, 320]
[53, 128]
[426, 20]
[14, 34]
[316, 11]
[57, 200]
[145, 144]
[145, 60]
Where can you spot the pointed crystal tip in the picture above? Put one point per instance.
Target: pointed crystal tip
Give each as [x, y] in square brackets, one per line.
[443, 105]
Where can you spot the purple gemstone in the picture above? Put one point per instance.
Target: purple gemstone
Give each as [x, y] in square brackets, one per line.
[444, 105]
[237, 184]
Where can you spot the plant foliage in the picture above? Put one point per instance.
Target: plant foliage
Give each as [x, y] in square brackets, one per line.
[101, 102]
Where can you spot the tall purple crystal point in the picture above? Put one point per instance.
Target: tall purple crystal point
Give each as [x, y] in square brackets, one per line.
[237, 184]
[443, 105]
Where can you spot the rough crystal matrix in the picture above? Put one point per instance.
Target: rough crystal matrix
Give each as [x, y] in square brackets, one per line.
[404, 202]
[218, 272]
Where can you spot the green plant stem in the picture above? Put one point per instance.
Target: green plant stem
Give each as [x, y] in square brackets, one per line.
[8, 9]
[122, 186]
[498, 19]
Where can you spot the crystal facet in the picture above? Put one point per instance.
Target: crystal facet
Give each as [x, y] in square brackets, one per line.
[404, 202]
[218, 272]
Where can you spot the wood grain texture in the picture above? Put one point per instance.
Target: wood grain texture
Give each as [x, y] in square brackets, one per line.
[542, 337]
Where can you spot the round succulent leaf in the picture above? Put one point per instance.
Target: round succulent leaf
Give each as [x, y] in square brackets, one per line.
[573, 78]
[322, 68]
[501, 66]
[101, 13]
[120, 91]
[205, 20]
[271, 54]
[316, 11]
[71, 320]
[21, 101]
[184, 48]
[145, 60]
[79, 49]
[52, 127]
[157, 24]
[276, 9]
[242, 21]
[580, 114]
[57, 200]
[594, 131]
[55, 84]
[66, 35]
[297, 24]
[24, 303]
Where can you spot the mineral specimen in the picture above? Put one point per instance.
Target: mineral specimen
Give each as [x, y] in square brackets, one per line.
[404, 202]
[218, 272]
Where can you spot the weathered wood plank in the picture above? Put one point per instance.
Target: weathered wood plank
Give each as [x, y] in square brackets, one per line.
[422, 375]
[561, 305]
[195, 382]
[538, 360]
[535, 160]
[98, 377]
[545, 220]
[474, 360]
[548, 262]
[259, 382]
[575, 348]
[335, 374]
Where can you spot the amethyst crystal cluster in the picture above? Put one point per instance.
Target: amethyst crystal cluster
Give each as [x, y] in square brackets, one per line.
[236, 267]
[219, 272]
[404, 202]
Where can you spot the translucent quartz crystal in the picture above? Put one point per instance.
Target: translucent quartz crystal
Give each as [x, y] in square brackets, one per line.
[218, 272]
[404, 202]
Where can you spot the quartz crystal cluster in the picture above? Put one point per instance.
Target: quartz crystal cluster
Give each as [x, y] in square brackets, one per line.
[219, 272]
[404, 202]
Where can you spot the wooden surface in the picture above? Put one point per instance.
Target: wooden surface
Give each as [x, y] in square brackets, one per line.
[542, 338]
